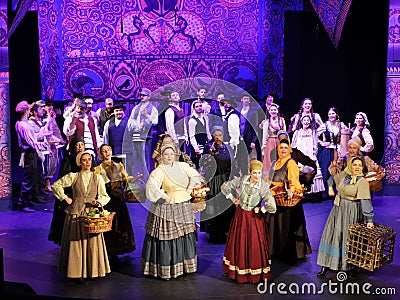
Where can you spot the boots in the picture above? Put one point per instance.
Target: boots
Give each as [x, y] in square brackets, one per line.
[323, 271]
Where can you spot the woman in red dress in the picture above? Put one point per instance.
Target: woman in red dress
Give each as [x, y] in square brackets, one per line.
[246, 256]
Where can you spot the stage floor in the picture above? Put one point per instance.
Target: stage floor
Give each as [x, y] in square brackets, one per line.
[30, 259]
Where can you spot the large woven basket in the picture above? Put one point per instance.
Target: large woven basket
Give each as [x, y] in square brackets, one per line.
[370, 249]
[375, 180]
[282, 199]
[99, 224]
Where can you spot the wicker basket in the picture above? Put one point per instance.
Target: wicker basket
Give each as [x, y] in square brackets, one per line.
[282, 199]
[135, 193]
[99, 224]
[199, 195]
[375, 180]
[370, 249]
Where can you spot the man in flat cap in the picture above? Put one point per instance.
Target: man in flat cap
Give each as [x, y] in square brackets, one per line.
[79, 124]
[31, 158]
[143, 117]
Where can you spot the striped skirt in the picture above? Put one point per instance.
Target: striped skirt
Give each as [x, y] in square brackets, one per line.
[332, 248]
[169, 248]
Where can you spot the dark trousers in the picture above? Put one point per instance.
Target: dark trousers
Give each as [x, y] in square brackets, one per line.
[30, 185]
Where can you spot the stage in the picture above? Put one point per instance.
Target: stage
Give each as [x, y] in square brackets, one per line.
[30, 263]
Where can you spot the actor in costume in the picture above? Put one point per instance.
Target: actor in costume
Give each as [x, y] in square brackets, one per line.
[120, 239]
[217, 165]
[352, 203]
[246, 256]
[287, 228]
[169, 248]
[82, 255]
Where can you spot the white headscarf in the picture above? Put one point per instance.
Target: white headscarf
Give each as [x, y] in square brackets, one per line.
[364, 116]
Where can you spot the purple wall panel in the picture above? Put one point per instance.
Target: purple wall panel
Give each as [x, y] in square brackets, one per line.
[392, 126]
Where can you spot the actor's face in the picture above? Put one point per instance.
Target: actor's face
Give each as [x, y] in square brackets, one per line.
[353, 150]
[79, 147]
[109, 104]
[218, 137]
[119, 113]
[106, 152]
[168, 156]
[86, 161]
[356, 167]
[255, 175]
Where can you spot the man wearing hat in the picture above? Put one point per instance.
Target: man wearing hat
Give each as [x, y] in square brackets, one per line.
[31, 158]
[79, 124]
[89, 109]
[114, 129]
[69, 110]
[141, 121]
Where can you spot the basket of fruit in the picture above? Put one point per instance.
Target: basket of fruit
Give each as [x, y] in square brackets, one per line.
[199, 195]
[97, 220]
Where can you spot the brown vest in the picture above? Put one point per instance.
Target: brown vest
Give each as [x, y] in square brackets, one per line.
[80, 131]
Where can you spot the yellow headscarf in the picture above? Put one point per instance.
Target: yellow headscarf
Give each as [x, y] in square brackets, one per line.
[282, 159]
[349, 171]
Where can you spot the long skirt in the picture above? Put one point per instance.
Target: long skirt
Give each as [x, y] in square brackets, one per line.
[325, 157]
[169, 248]
[82, 255]
[121, 238]
[246, 256]
[218, 214]
[57, 221]
[288, 235]
[332, 247]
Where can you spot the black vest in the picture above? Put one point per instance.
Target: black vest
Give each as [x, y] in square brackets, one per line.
[201, 133]
[116, 135]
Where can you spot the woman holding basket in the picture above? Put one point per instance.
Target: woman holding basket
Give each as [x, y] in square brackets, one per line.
[351, 205]
[287, 227]
[120, 239]
[169, 248]
[82, 255]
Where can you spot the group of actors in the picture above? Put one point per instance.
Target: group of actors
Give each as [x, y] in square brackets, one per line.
[217, 145]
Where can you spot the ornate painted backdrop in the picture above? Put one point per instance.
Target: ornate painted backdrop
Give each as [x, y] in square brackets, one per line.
[113, 48]
[5, 159]
[392, 128]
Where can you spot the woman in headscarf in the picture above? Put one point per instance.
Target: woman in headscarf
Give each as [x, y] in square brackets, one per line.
[82, 255]
[165, 139]
[120, 239]
[169, 248]
[246, 255]
[361, 130]
[68, 164]
[287, 227]
[351, 205]
[217, 165]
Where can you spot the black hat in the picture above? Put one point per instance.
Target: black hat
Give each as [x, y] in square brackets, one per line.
[118, 105]
[77, 95]
[167, 91]
[229, 101]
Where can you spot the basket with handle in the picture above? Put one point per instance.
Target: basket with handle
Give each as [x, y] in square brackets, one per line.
[94, 224]
[282, 199]
[134, 193]
[375, 180]
[199, 195]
